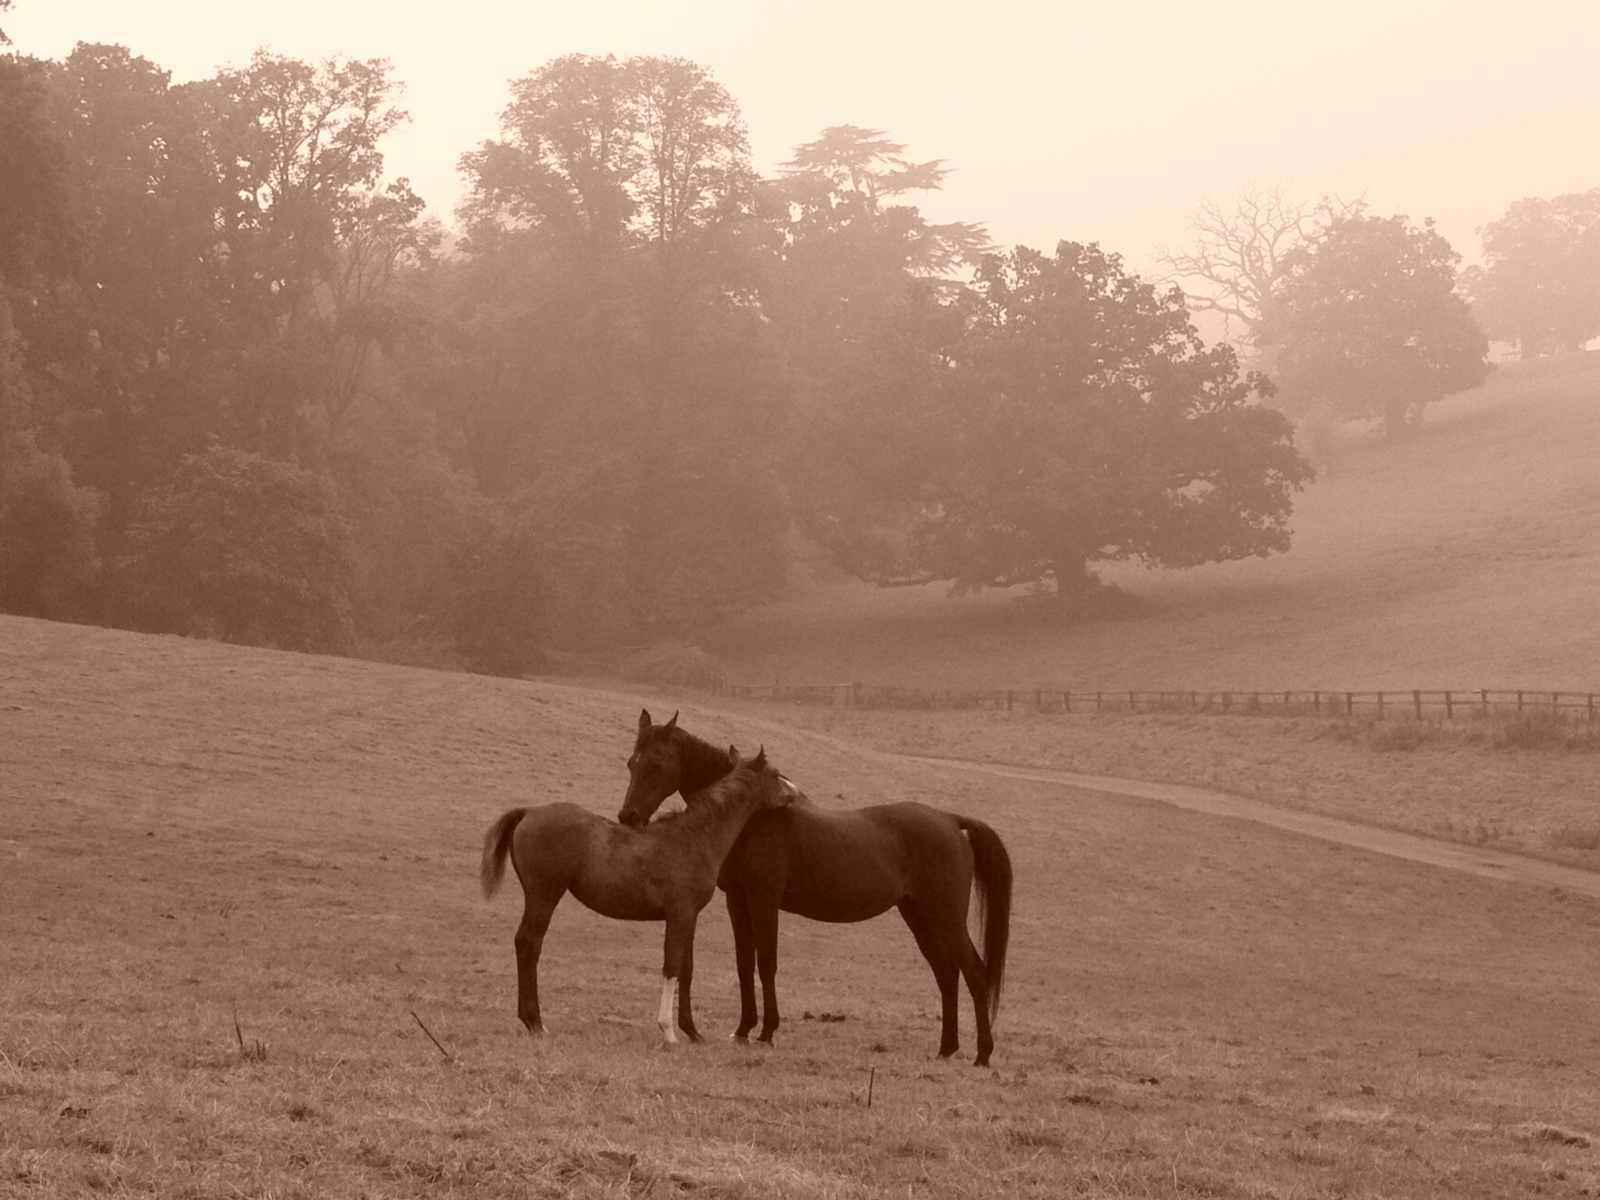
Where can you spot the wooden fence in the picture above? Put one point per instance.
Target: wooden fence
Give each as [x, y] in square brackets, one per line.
[1448, 704]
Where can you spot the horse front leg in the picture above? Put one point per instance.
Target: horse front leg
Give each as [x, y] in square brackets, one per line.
[974, 972]
[685, 1008]
[529, 942]
[764, 924]
[677, 950]
[744, 958]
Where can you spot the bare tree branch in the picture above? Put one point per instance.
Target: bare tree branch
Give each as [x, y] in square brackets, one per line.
[1239, 251]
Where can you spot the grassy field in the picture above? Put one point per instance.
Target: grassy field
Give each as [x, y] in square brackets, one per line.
[1465, 557]
[232, 882]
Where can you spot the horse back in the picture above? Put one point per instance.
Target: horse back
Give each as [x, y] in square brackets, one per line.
[848, 864]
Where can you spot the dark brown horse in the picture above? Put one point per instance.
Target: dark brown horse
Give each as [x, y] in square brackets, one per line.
[665, 871]
[843, 865]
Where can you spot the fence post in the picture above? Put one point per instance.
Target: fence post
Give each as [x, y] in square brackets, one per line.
[1449, 708]
[1380, 706]
[1416, 702]
[1484, 694]
[1591, 708]
[1519, 701]
[1349, 704]
[1555, 704]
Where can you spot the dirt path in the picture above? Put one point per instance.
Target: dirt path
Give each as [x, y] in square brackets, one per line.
[1490, 864]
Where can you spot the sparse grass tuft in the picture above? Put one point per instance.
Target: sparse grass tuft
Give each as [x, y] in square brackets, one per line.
[1541, 1132]
[1576, 836]
[1540, 729]
[251, 1050]
[1397, 735]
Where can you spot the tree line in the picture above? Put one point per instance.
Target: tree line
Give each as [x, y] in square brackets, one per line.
[249, 390]
[1369, 317]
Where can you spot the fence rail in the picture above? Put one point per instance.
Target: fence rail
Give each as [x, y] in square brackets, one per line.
[1449, 704]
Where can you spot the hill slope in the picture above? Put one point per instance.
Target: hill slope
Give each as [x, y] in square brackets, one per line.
[234, 883]
[1467, 556]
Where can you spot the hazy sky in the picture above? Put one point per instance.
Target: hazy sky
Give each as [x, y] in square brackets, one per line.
[1100, 121]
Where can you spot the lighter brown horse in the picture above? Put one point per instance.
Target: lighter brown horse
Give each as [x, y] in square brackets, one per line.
[666, 871]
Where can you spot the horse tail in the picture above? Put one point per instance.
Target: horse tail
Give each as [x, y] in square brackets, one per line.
[992, 878]
[496, 846]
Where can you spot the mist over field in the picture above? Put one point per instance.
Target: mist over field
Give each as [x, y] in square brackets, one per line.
[1464, 558]
[1134, 481]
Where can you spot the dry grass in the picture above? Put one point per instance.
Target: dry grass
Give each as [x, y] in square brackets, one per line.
[1197, 1006]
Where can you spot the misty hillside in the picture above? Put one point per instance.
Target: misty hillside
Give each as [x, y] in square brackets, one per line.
[1465, 556]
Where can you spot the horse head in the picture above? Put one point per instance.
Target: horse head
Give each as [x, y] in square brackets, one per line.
[655, 770]
[772, 788]
[665, 760]
[776, 791]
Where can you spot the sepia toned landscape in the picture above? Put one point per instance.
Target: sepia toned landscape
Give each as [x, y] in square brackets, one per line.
[1165, 448]
[238, 884]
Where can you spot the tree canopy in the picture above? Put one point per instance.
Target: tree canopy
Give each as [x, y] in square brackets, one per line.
[1539, 285]
[248, 390]
[1072, 416]
[1366, 321]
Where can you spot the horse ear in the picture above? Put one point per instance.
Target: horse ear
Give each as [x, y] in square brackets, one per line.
[760, 760]
[644, 720]
[733, 755]
[671, 725]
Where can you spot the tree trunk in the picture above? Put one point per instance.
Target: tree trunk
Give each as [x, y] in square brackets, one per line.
[1073, 579]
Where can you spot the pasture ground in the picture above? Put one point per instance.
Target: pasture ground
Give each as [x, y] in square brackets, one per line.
[197, 835]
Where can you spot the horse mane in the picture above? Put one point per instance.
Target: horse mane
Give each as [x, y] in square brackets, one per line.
[699, 762]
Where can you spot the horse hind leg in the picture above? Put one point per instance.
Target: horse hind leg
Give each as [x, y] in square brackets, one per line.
[529, 942]
[977, 977]
[945, 973]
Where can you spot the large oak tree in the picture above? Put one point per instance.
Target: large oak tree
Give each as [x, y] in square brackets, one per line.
[1077, 418]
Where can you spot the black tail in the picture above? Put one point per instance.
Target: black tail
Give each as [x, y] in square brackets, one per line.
[992, 878]
[496, 845]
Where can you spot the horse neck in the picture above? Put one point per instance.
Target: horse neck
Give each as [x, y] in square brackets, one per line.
[700, 764]
[720, 813]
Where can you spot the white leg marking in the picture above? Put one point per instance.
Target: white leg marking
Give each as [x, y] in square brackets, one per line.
[669, 1006]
